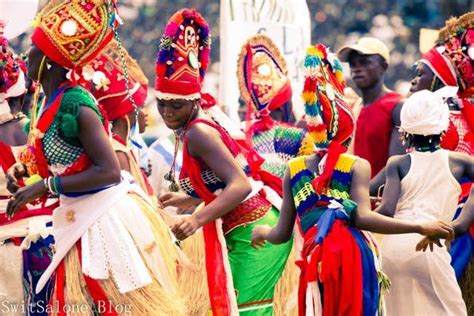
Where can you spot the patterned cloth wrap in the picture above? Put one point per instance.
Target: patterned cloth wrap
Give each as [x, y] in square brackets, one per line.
[340, 258]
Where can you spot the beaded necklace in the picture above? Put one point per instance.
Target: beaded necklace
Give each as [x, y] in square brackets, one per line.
[171, 175]
[430, 148]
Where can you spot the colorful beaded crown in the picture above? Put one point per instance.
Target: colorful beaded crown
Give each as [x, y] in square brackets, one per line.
[326, 112]
[183, 56]
[10, 63]
[263, 74]
[72, 32]
[108, 81]
[456, 43]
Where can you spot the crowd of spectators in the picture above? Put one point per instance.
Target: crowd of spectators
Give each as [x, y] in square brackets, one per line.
[334, 22]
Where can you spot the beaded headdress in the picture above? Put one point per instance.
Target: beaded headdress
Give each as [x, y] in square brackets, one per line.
[12, 77]
[326, 112]
[329, 119]
[106, 75]
[263, 75]
[453, 56]
[72, 32]
[183, 56]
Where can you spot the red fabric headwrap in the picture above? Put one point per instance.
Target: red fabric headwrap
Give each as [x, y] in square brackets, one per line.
[441, 67]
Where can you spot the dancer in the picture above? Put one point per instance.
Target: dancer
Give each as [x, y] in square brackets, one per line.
[423, 186]
[215, 171]
[107, 84]
[110, 247]
[449, 64]
[24, 251]
[266, 89]
[328, 191]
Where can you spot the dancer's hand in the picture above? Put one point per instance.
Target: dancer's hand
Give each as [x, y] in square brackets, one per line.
[437, 229]
[184, 227]
[14, 173]
[24, 196]
[259, 236]
[179, 200]
[426, 242]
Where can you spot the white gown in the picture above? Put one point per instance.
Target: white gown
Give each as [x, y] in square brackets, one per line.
[423, 283]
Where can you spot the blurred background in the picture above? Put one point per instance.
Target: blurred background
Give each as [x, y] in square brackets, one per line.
[333, 22]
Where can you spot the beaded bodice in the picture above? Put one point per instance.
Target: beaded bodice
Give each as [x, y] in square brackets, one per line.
[212, 182]
[464, 144]
[61, 144]
[309, 205]
[280, 144]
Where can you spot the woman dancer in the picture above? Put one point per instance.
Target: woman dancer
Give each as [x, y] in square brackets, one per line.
[215, 171]
[110, 247]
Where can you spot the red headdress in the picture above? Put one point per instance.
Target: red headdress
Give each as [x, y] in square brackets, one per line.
[263, 77]
[108, 82]
[452, 59]
[73, 32]
[183, 56]
[330, 121]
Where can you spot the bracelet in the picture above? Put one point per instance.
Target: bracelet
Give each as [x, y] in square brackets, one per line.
[59, 185]
[55, 186]
[50, 189]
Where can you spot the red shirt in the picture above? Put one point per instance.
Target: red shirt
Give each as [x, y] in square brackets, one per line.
[374, 129]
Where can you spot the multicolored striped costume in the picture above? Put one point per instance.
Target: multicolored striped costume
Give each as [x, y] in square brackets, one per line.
[339, 265]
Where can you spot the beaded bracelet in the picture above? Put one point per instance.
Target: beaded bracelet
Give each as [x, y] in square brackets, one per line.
[55, 186]
[59, 185]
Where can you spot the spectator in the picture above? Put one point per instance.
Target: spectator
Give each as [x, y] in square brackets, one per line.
[376, 135]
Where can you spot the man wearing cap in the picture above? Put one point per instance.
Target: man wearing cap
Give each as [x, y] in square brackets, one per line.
[376, 135]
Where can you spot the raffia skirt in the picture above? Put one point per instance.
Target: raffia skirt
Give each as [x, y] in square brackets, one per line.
[124, 262]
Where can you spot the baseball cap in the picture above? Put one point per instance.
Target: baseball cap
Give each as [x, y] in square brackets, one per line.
[365, 46]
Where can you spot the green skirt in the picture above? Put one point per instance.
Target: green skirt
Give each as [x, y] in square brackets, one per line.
[256, 272]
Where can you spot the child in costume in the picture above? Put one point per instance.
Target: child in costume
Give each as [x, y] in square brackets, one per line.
[423, 186]
[328, 191]
[110, 246]
[214, 169]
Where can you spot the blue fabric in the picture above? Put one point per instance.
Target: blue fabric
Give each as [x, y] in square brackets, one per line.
[461, 253]
[56, 93]
[370, 281]
[77, 194]
[461, 248]
[326, 221]
[35, 261]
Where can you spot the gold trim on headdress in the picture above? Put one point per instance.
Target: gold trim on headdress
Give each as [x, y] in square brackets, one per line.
[112, 55]
[258, 40]
[453, 25]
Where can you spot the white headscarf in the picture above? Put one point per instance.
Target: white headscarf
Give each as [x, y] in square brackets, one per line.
[426, 113]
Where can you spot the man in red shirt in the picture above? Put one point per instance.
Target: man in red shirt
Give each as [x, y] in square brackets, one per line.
[376, 135]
